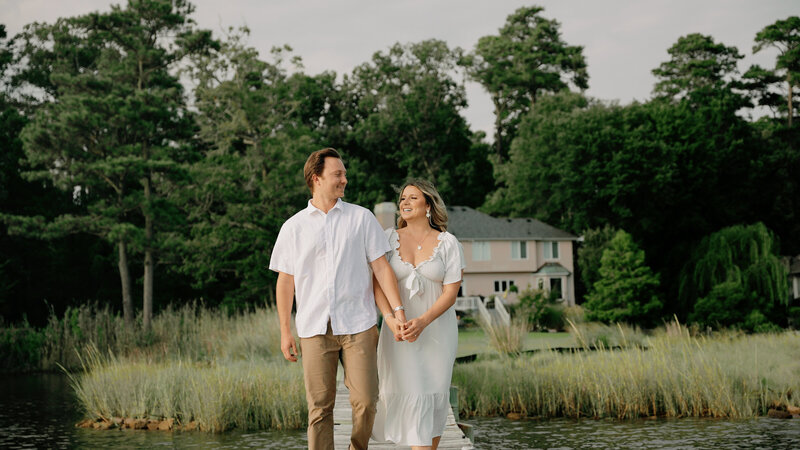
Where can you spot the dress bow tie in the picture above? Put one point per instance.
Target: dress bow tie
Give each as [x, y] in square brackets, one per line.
[413, 284]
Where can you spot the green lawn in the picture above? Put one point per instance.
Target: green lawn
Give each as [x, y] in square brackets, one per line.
[472, 341]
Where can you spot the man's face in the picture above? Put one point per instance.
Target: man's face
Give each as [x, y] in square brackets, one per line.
[333, 179]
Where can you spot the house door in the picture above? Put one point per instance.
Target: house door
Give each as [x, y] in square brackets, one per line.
[555, 285]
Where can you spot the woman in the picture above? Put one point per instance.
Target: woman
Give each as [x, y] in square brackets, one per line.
[415, 358]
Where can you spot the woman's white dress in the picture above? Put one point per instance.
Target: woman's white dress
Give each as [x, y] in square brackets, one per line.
[414, 377]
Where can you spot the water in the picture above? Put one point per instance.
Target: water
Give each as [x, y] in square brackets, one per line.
[685, 433]
[39, 411]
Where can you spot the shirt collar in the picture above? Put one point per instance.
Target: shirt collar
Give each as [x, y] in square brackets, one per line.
[313, 209]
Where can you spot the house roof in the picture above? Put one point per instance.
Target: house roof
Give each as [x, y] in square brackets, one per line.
[552, 269]
[469, 224]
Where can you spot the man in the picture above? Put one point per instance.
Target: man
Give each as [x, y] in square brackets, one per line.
[323, 254]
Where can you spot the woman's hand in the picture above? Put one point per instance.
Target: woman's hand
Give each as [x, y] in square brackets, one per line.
[413, 328]
[395, 326]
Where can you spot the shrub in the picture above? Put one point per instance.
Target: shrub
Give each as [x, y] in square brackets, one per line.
[541, 309]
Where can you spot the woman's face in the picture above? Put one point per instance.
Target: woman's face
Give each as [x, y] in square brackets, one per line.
[412, 203]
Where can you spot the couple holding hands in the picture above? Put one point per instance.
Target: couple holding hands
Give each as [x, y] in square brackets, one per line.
[336, 261]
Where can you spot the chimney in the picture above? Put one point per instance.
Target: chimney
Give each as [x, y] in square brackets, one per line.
[385, 212]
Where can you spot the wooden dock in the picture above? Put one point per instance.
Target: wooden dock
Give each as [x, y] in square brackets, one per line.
[452, 438]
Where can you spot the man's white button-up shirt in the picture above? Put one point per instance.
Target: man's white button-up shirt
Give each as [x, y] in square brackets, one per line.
[328, 255]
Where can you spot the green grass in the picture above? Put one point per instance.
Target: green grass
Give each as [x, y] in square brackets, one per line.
[473, 341]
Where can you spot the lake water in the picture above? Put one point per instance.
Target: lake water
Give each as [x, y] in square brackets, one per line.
[39, 411]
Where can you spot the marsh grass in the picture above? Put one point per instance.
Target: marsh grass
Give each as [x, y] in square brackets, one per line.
[247, 395]
[592, 335]
[191, 333]
[676, 375]
[506, 340]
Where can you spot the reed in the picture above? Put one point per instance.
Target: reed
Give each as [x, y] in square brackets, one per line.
[247, 395]
[190, 333]
[506, 340]
[675, 375]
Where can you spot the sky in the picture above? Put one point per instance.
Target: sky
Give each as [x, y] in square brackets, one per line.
[623, 40]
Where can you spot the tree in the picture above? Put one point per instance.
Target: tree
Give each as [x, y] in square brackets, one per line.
[256, 129]
[404, 112]
[626, 290]
[590, 253]
[698, 67]
[667, 172]
[115, 134]
[785, 36]
[759, 84]
[735, 278]
[524, 60]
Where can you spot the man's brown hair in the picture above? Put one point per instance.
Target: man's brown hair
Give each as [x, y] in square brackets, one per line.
[315, 165]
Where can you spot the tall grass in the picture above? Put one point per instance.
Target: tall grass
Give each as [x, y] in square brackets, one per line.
[247, 395]
[506, 340]
[676, 375]
[191, 332]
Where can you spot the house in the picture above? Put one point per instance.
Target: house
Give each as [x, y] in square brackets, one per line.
[794, 277]
[501, 253]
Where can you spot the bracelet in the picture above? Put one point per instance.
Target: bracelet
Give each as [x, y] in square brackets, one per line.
[398, 308]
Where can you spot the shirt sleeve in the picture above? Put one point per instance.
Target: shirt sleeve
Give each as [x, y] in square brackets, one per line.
[388, 232]
[461, 252]
[281, 259]
[375, 241]
[453, 260]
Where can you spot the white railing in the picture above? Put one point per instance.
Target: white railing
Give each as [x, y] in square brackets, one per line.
[484, 312]
[467, 303]
[502, 312]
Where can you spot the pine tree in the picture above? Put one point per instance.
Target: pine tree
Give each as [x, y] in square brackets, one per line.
[627, 288]
[116, 133]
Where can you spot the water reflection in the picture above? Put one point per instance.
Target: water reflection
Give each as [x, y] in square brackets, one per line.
[40, 411]
[683, 433]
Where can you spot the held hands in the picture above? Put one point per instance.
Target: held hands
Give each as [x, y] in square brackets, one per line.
[395, 324]
[413, 328]
[289, 347]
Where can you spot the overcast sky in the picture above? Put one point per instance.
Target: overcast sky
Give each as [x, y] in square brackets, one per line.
[623, 40]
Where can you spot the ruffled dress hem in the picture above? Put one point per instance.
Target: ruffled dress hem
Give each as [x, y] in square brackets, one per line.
[416, 418]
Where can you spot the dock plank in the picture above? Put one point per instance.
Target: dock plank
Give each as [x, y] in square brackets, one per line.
[452, 438]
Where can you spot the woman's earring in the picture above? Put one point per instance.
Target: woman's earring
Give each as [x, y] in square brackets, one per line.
[428, 214]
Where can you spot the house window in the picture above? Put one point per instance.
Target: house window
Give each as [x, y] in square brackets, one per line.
[502, 285]
[555, 285]
[519, 250]
[461, 290]
[481, 251]
[551, 250]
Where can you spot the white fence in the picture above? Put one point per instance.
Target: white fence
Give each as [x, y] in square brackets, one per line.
[475, 303]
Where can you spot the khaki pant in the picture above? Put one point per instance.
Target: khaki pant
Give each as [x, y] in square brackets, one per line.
[321, 355]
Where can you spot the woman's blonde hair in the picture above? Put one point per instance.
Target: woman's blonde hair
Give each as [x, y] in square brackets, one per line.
[438, 219]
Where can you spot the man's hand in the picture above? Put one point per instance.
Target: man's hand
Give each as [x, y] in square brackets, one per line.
[395, 326]
[289, 347]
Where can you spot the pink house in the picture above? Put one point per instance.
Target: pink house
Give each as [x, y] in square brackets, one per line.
[507, 252]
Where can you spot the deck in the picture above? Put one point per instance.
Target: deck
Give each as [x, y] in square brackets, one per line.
[452, 438]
